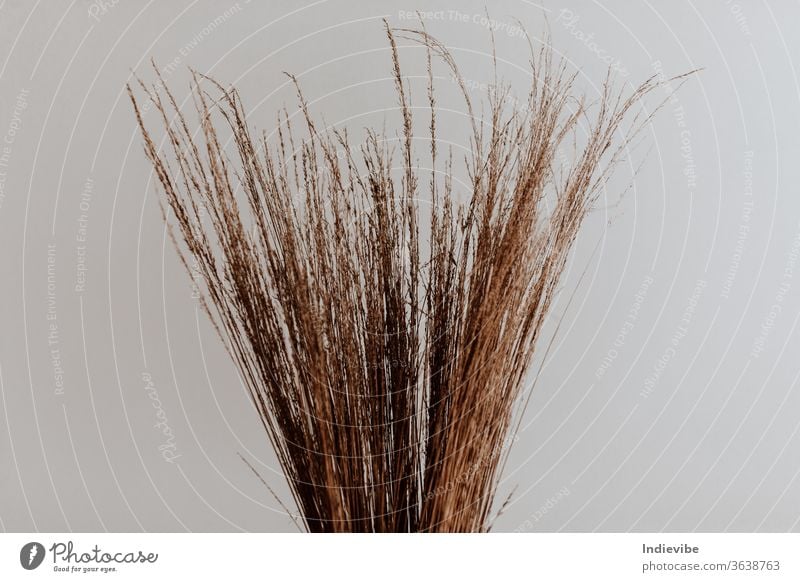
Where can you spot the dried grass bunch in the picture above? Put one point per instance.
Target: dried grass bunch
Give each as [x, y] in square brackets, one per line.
[385, 346]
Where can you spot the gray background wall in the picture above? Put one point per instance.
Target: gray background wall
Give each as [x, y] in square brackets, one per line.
[669, 400]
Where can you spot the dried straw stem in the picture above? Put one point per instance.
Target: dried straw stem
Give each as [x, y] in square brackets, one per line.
[386, 352]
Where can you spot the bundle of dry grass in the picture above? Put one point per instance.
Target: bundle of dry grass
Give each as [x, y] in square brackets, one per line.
[384, 352]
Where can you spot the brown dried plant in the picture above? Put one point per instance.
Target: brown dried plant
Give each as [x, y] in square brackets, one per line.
[385, 348]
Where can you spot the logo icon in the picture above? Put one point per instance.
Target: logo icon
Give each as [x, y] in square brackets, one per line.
[31, 555]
